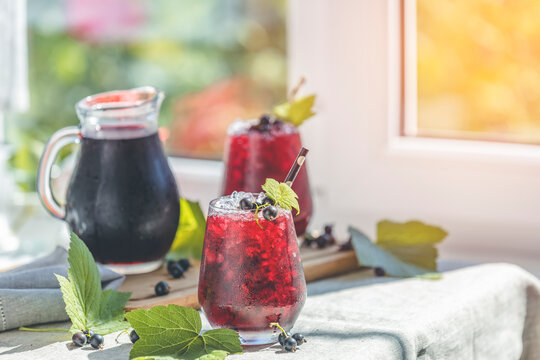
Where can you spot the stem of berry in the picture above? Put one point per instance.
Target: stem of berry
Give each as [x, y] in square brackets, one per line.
[123, 331]
[294, 91]
[22, 328]
[257, 211]
[280, 328]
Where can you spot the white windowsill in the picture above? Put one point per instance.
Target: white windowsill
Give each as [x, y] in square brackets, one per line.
[408, 146]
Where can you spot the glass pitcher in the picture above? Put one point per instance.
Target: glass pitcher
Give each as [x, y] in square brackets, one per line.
[122, 199]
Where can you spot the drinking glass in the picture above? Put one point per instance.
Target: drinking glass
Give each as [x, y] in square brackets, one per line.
[252, 155]
[251, 273]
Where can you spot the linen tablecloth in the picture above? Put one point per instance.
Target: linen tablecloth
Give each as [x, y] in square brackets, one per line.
[489, 311]
[30, 294]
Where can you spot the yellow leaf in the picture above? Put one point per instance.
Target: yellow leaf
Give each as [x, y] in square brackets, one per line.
[412, 242]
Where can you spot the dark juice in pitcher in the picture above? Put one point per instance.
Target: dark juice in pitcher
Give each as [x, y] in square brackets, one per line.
[122, 200]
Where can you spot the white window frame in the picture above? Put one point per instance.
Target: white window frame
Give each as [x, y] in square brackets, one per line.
[362, 170]
[198, 180]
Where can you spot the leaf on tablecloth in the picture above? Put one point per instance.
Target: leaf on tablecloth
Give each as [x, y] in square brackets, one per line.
[188, 241]
[87, 305]
[370, 254]
[173, 332]
[412, 242]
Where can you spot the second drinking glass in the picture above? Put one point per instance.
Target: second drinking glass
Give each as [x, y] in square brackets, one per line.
[265, 148]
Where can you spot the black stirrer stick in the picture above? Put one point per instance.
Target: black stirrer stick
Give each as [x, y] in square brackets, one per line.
[295, 169]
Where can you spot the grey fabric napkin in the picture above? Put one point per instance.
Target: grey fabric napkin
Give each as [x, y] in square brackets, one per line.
[30, 294]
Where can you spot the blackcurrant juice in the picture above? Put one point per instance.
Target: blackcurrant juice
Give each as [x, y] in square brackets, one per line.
[122, 200]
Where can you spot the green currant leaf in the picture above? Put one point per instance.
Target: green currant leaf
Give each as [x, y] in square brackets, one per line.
[173, 332]
[370, 254]
[297, 111]
[189, 237]
[282, 194]
[212, 355]
[413, 242]
[87, 305]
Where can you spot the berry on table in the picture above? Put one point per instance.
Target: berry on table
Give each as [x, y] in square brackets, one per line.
[308, 239]
[89, 333]
[177, 271]
[79, 338]
[300, 339]
[162, 288]
[133, 336]
[328, 230]
[379, 271]
[270, 213]
[289, 344]
[184, 263]
[347, 245]
[323, 240]
[97, 341]
[170, 265]
[281, 338]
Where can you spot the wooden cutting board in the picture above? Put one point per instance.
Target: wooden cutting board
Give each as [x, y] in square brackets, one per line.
[318, 264]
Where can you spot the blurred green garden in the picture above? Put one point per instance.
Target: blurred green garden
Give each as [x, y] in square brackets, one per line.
[215, 60]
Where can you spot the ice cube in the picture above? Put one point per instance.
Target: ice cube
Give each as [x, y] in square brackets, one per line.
[261, 197]
[239, 126]
[233, 201]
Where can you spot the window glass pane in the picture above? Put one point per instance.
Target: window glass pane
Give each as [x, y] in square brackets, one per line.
[479, 69]
[216, 60]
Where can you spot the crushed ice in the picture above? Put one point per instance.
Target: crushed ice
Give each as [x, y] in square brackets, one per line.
[233, 201]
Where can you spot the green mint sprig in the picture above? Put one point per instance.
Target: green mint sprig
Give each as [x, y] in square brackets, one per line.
[87, 305]
[174, 332]
[282, 194]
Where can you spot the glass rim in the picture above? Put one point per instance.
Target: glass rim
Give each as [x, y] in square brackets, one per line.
[89, 102]
[238, 211]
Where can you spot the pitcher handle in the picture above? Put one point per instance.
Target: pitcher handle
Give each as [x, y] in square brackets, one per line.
[58, 140]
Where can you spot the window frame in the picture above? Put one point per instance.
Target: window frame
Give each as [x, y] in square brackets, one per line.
[483, 193]
[402, 139]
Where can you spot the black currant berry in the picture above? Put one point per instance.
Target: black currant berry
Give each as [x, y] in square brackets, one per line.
[347, 245]
[328, 229]
[281, 338]
[79, 338]
[270, 213]
[323, 240]
[308, 239]
[265, 119]
[379, 271]
[300, 339]
[184, 263]
[170, 265]
[97, 341]
[177, 271]
[245, 204]
[88, 333]
[267, 200]
[162, 288]
[133, 336]
[289, 344]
